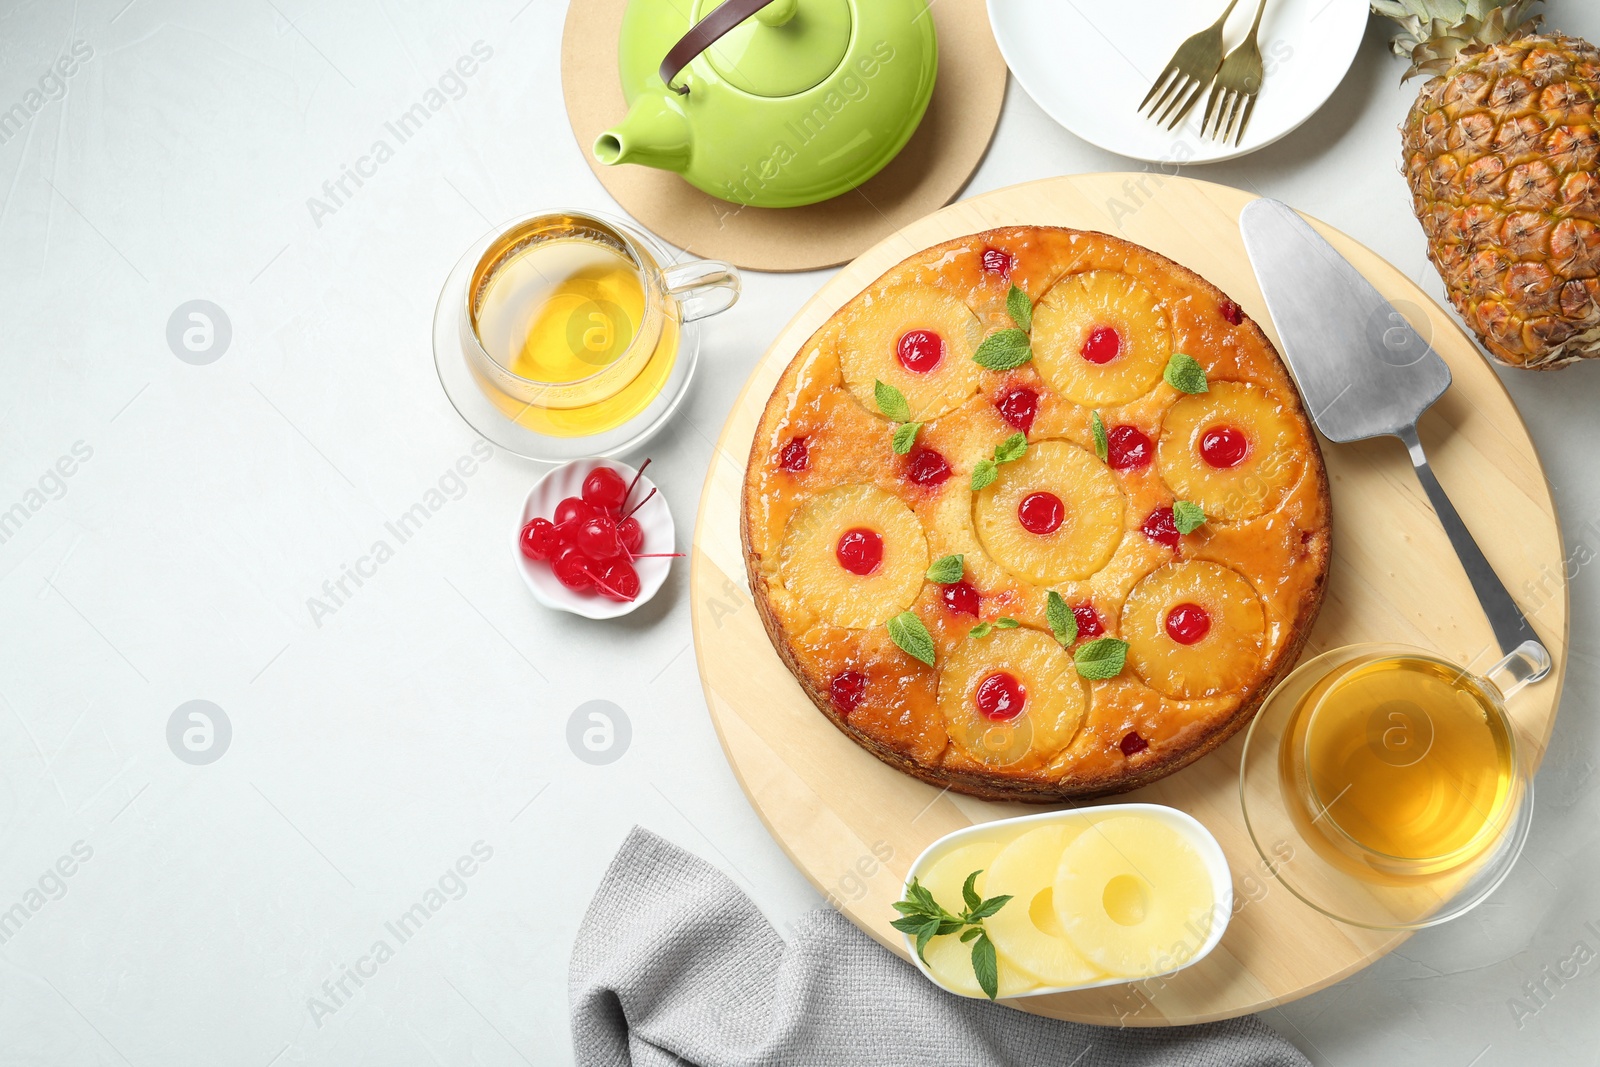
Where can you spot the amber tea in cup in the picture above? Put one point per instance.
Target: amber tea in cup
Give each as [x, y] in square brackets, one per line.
[572, 324]
[1403, 764]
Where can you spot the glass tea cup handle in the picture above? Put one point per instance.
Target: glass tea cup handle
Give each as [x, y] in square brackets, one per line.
[704, 287]
[1525, 664]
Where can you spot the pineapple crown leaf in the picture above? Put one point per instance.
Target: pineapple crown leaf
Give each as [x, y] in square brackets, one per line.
[1434, 34]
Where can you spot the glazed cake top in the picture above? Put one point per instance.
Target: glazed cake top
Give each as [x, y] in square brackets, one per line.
[841, 529]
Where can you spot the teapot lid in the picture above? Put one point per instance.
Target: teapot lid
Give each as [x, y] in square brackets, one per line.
[783, 59]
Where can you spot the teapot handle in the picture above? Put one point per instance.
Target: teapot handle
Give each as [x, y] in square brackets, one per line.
[707, 32]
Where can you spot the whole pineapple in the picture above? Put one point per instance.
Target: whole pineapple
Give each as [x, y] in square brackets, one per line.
[1502, 153]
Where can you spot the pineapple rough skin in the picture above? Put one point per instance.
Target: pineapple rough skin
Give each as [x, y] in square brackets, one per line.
[1502, 154]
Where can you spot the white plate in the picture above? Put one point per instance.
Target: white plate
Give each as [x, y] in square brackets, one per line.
[1187, 826]
[1088, 64]
[654, 519]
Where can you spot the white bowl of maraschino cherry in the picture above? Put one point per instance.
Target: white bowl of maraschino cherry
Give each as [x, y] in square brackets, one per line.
[595, 538]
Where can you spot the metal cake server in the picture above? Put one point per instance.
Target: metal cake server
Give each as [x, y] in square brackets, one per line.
[1364, 372]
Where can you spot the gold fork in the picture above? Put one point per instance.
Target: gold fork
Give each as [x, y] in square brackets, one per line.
[1190, 70]
[1238, 85]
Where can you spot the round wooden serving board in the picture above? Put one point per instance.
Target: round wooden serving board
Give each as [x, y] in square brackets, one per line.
[854, 825]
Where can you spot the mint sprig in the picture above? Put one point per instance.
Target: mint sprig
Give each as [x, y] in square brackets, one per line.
[1063, 623]
[1004, 350]
[892, 402]
[1187, 517]
[1102, 440]
[1019, 307]
[987, 470]
[924, 918]
[1101, 658]
[948, 570]
[1185, 374]
[907, 631]
[984, 629]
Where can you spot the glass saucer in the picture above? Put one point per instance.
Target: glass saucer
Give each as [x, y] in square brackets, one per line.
[464, 394]
[1303, 857]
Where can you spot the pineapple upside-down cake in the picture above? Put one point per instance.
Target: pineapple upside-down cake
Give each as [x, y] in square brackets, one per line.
[1037, 515]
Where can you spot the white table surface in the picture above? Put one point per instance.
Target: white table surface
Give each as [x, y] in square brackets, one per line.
[372, 747]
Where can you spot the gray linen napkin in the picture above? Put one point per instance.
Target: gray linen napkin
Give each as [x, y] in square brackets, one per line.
[675, 966]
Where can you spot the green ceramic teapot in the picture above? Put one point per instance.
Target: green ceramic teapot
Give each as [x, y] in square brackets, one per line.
[772, 103]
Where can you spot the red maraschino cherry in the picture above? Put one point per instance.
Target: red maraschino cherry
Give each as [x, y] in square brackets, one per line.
[540, 540]
[617, 580]
[596, 537]
[1000, 697]
[571, 568]
[631, 534]
[1018, 407]
[605, 489]
[572, 509]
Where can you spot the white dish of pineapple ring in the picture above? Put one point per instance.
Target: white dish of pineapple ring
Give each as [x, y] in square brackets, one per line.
[1100, 896]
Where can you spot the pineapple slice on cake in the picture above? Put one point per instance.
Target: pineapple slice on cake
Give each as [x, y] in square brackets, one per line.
[1194, 629]
[1055, 515]
[1233, 450]
[854, 555]
[916, 338]
[1133, 896]
[1011, 694]
[1100, 338]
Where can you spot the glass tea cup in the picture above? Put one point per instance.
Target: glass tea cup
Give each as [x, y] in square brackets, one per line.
[572, 322]
[1388, 787]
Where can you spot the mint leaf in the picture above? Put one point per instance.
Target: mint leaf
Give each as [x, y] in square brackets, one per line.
[1185, 374]
[905, 435]
[1003, 350]
[947, 570]
[988, 908]
[1062, 622]
[909, 924]
[907, 631]
[1101, 658]
[930, 929]
[1019, 307]
[891, 401]
[984, 967]
[1004, 623]
[970, 934]
[1012, 448]
[1102, 443]
[984, 474]
[969, 895]
[1187, 517]
[983, 629]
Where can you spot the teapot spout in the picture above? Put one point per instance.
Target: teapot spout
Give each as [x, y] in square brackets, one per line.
[655, 134]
